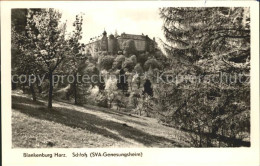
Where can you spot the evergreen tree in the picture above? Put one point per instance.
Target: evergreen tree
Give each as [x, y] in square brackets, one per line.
[209, 42]
[122, 83]
[148, 88]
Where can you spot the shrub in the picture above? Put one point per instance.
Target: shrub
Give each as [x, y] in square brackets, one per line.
[106, 62]
[101, 100]
[133, 58]
[134, 99]
[118, 62]
[138, 69]
[129, 64]
[151, 63]
[142, 58]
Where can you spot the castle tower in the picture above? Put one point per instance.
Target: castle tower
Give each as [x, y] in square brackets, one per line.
[112, 44]
[104, 42]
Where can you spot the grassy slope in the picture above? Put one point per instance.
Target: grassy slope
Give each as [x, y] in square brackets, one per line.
[70, 126]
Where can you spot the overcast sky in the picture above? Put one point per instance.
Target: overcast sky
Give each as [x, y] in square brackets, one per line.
[131, 20]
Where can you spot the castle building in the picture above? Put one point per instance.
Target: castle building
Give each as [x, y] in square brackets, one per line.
[116, 44]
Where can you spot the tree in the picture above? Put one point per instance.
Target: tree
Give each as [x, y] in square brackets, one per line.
[92, 71]
[134, 98]
[111, 90]
[129, 47]
[207, 42]
[148, 88]
[191, 38]
[138, 72]
[142, 58]
[75, 61]
[122, 83]
[138, 69]
[117, 64]
[47, 38]
[151, 63]
[128, 64]
[106, 62]
[137, 80]
[23, 62]
[18, 20]
[133, 59]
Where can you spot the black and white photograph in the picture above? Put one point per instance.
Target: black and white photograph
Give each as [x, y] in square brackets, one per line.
[144, 83]
[158, 77]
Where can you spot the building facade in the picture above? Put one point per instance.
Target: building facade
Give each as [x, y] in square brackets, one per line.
[114, 44]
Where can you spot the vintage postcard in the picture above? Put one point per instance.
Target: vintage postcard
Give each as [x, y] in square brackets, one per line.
[130, 83]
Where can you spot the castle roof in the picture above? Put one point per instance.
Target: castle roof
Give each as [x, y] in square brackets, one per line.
[122, 36]
[133, 36]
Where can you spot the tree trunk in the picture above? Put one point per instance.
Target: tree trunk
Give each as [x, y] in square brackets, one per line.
[23, 87]
[68, 96]
[39, 89]
[110, 103]
[39, 86]
[75, 89]
[50, 90]
[33, 93]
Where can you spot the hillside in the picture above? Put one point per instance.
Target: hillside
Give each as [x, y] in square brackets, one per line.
[70, 126]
